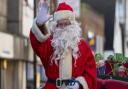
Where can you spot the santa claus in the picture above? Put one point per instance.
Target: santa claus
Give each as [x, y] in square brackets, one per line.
[67, 59]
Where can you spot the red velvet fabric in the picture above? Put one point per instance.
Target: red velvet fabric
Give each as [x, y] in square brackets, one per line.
[64, 6]
[109, 68]
[116, 84]
[126, 65]
[111, 84]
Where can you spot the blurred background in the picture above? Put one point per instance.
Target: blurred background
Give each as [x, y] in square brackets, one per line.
[104, 26]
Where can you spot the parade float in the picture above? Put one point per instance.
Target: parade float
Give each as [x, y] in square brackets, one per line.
[112, 72]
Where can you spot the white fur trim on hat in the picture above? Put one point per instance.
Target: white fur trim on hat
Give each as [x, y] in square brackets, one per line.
[83, 82]
[65, 14]
[38, 34]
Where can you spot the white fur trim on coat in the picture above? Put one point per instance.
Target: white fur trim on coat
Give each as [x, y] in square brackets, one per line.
[38, 34]
[65, 66]
[65, 14]
[83, 82]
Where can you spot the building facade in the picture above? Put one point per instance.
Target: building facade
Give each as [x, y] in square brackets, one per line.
[92, 24]
[122, 16]
[16, 55]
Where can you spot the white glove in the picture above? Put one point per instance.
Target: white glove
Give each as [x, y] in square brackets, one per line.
[73, 85]
[42, 14]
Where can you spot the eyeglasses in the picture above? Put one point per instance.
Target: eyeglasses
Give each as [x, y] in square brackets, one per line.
[63, 23]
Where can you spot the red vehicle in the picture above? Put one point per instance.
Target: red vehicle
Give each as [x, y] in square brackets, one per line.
[112, 84]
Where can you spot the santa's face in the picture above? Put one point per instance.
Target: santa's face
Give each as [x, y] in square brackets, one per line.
[66, 35]
[63, 23]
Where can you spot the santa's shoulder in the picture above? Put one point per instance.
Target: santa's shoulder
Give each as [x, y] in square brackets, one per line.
[83, 42]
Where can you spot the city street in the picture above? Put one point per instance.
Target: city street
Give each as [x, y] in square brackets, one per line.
[26, 62]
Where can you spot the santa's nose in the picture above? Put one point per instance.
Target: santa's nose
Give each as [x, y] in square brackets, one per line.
[63, 24]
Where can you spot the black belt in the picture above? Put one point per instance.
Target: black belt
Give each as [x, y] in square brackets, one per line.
[59, 82]
[52, 81]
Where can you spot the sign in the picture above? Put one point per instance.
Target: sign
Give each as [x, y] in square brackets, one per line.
[6, 45]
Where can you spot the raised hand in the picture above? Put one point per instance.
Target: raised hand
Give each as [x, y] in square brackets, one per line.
[42, 14]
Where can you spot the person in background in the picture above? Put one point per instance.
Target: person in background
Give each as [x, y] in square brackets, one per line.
[109, 64]
[67, 59]
[121, 72]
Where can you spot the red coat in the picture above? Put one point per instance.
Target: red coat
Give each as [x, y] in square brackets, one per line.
[86, 66]
[109, 68]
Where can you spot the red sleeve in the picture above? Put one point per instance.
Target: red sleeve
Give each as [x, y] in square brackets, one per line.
[41, 49]
[89, 67]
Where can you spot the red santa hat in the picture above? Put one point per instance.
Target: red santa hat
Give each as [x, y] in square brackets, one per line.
[64, 11]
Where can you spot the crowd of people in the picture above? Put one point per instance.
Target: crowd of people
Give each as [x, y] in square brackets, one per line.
[114, 65]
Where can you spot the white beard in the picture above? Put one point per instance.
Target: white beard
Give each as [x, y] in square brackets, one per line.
[67, 38]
